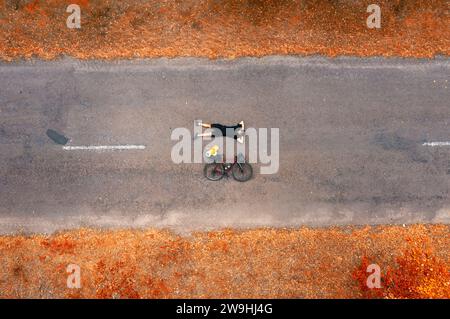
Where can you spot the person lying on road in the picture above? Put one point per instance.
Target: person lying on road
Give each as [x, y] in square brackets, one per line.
[234, 131]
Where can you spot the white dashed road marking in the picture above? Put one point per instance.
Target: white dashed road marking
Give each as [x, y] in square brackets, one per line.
[436, 144]
[104, 147]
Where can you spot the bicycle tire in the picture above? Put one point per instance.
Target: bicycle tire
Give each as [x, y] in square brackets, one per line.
[242, 172]
[214, 171]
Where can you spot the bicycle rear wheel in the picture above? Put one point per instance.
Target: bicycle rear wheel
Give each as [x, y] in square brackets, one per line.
[214, 171]
[242, 172]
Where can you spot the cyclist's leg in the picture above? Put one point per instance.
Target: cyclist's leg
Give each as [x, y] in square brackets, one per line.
[217, 128]
[207, 134]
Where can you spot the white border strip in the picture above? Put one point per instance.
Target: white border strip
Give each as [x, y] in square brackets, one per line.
[192, 63]
[436, 144]
[104, 147]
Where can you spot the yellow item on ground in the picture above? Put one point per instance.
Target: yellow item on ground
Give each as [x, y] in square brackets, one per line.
[212, 151]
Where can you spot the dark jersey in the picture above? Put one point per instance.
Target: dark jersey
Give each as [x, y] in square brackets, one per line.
[224, 128]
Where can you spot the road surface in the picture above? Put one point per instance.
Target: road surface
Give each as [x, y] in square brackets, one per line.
[352, 134]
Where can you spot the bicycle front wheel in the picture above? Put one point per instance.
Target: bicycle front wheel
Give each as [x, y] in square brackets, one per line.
[242, 172]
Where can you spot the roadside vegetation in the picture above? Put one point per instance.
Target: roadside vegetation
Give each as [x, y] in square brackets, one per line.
[222, 28]
[260, 263]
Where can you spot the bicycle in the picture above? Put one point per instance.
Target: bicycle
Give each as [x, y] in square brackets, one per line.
[241, 170]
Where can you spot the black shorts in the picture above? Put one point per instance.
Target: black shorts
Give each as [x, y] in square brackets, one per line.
[223, 129]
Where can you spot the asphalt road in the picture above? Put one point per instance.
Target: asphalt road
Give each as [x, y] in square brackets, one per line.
[351, 142]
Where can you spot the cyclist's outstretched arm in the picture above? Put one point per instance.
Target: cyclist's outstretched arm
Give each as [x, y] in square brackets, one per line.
[205, 125]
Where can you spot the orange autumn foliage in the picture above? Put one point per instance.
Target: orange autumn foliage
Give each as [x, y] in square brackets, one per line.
[60, 245]
[115, 281]
[417, 274]
[255, 263]
[360, 275]
[221, 28]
